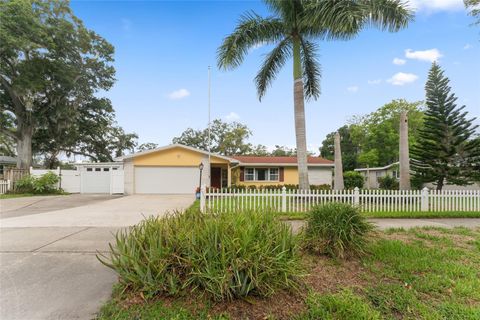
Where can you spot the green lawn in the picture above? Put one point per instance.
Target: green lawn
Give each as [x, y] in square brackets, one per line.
[421, 273]
[248, 202]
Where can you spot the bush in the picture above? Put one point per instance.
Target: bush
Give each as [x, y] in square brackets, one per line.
[337, 230]
[352, 179]
[388, 183]
[226, 256]
[279, 187]
[46, 183]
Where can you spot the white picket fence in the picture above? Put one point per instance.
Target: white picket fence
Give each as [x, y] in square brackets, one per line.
[4, 186]
[221, 200]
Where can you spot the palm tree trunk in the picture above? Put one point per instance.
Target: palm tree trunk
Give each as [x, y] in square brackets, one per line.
[300, 132]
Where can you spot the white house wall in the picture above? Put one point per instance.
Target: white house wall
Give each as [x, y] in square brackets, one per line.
[320, 175]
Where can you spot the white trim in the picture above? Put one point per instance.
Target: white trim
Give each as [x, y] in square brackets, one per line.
[255, 175]
[171, 146]
[377, 168]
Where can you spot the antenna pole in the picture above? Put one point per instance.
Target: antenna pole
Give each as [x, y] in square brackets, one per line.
[209, 123]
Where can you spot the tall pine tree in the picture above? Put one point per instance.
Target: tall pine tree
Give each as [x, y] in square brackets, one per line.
[447, 150]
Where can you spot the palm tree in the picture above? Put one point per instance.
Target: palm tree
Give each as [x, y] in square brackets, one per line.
[293, 28]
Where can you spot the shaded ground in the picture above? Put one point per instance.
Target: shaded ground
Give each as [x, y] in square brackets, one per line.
[48, 268]
[17, 207]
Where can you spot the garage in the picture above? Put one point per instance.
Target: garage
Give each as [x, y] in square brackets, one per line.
[165, 180]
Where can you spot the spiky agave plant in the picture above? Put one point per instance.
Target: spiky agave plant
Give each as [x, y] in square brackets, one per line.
[293, 28]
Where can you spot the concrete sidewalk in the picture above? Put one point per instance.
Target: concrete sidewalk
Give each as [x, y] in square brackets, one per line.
[48, 267]
[384, 224]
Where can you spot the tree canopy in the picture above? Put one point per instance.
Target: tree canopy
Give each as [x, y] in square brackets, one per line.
[447, 149]
[51, 69]
[373, 139]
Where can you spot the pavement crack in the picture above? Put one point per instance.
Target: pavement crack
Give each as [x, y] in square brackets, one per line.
[59, 239]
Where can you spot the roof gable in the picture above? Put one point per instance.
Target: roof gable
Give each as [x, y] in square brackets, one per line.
[172, 146]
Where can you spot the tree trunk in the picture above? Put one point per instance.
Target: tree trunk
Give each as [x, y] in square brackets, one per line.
[338, 182]
[404, 153]
[24, 147]
[300, 132]
[440, 184]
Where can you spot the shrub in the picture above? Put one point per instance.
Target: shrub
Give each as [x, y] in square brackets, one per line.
[46, 183]
[337, 230]
[388, 183]
[352, 179]
[226, 256]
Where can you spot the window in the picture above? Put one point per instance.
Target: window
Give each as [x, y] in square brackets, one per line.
[98, 169]
[106, 169]
[262, 174]
[274, 174]
[1, 170]
[249, 174]
[89, 169]
[395, 174]
[114, 168]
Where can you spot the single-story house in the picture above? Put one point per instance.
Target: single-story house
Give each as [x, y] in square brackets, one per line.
[6, 162]
[176, 169]
[179, 169]
[371, 175]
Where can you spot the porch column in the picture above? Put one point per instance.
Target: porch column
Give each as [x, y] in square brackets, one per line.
[206, 172]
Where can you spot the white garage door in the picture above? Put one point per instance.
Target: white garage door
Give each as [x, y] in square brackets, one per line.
[166, 180]
[95, 180]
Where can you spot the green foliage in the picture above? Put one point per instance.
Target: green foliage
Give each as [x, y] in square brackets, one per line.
[147, 146]
[52, 70]
[280, 187]
[337, 230]
[226, 138]
[352, 180]
[342, 305]
[225, 256]
[44, 184]
[474, 9]
[349, 149]
[447, 148]
[388, 183]
[377, 134]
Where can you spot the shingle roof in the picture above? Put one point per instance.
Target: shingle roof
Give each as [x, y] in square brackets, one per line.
[292, 160]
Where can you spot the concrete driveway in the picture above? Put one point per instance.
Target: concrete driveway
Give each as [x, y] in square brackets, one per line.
[48, 268]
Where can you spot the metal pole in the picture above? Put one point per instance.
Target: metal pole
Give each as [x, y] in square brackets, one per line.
[209, 123]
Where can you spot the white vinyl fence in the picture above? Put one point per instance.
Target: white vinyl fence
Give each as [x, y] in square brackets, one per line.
[221, 200]
[4, 186]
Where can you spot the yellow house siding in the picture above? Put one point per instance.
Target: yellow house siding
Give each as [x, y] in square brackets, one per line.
[174, 157]
[290, 176]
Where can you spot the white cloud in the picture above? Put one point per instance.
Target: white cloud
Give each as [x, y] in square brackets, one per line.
[430, 55]
[400, 78]
[376, 81]
[399, 61]
[467, 46]
[436, 5]
[232, 116]
[353, 89]
[178, 94]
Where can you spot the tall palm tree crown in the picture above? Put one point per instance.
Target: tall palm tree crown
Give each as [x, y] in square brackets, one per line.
[293, 28]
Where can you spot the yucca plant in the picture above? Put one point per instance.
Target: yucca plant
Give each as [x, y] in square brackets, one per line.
[225, 256]
[337, 230]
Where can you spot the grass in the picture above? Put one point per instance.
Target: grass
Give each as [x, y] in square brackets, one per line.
[420, 273]
[22, 195]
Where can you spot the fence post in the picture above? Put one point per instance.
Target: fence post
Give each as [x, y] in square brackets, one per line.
[284, 199]
[203, 196]
[31, 170]
[424, 199]
[356, 196]
[9, 185]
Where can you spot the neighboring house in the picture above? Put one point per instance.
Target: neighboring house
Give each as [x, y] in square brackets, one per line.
[371, 175]
[6, 162]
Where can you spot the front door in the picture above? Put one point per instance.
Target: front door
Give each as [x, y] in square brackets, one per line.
[216, 178]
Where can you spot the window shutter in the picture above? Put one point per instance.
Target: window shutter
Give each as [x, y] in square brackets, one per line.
[242, 173]
[281, 174]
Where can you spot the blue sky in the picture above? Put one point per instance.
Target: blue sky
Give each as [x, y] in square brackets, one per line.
[163, 50]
